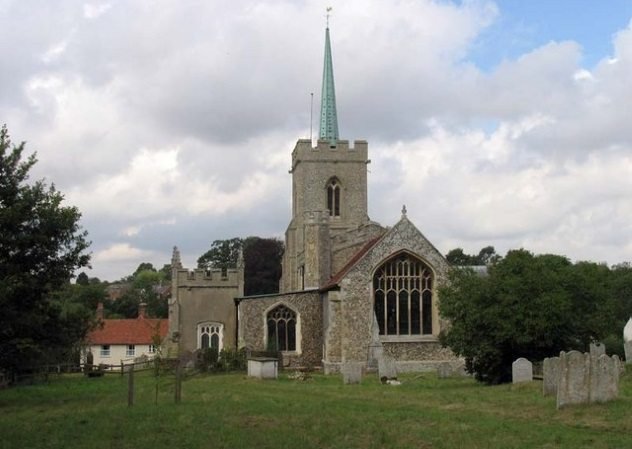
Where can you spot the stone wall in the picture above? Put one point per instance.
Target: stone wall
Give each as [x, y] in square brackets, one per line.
[308, 307]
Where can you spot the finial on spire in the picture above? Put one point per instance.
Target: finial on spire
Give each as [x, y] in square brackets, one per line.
[404, 211]
[328, 9]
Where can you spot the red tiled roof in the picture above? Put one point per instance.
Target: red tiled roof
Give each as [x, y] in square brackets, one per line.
[128, 332]
[336, 278]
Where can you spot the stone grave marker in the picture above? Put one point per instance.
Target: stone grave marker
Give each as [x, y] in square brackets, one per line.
[604, 379]
[386, 367]
[444, 370]
[550, 375]
[597, 349]
[351, 372]
[627, 341]
[574, 379]
[521, 371]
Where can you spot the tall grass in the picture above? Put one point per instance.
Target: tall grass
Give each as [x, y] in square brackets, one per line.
[233, 411]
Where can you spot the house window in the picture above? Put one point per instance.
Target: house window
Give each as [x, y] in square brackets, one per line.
[105, 350]
[210, 335]
[333, 198]
[281, 322]
[402, 289]
[152, 349]
[131, 351]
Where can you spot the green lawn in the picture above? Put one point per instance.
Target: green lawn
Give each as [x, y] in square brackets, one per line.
[233, 411]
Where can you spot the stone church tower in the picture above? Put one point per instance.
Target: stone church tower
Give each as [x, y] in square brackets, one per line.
[329, 197]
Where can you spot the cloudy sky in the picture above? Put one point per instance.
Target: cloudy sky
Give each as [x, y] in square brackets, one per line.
[171, 122]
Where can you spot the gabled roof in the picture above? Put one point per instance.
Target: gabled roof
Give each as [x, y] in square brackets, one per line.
[139, 331]
[336, 278]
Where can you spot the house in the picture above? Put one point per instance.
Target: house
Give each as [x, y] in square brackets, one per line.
[123, 340]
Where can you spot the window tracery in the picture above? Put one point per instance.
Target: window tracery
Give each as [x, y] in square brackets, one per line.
[402, 288]
[210, 335]
[281, 322]
[333, 197]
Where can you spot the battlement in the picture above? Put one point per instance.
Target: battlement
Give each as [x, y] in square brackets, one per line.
[214, 277]
[323, 151]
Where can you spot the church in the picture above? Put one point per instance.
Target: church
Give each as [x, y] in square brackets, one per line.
[350, 289]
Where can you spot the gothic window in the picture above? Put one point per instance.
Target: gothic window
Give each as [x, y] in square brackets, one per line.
[402, 289]
[281, 323]
[210, 335]
[333, 197]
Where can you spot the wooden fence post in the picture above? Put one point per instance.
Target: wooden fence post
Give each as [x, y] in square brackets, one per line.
[130, 387]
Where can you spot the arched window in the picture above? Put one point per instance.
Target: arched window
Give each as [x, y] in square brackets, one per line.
[211, 335]
[402, 289]
[281, 323]
[333, 197]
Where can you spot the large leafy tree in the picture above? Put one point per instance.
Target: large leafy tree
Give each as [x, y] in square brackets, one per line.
[262, 261]
[485, 256]
[41, 245]
[526, 306]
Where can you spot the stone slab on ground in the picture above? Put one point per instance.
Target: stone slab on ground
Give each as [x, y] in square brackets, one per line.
[351, 372]
[521, 371]
[550, 376]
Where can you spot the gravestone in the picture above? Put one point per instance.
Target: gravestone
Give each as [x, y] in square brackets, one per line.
[550, 375]
[444, 370]
[351, 372]
[574, 379]
[627, 341]
[521, 371]
[604, 378]
[386, 367]
[597, 349]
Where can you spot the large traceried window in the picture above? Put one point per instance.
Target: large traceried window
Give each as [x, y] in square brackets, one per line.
[402, 289]
[210, 335]
[333, 197]
[281, 323]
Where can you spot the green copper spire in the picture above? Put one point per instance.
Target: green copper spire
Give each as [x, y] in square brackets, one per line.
[328, 116]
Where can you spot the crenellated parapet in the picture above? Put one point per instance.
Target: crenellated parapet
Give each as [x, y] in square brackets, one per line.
[341, 152]
[214, 277]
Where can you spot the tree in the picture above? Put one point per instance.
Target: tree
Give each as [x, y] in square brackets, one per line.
[262, 261]
[41, 246]
[527, 306]
[146, 287]
[262, 265]
[485, 256]
[223, 254]
[83, 279]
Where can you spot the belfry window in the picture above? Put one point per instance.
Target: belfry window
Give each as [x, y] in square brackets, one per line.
[281, 322]
[333, 198]
[402, 289]
[210, 335]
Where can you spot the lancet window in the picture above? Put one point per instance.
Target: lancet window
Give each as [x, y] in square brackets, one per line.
[402, 288]
[281, 322]
[333, 197]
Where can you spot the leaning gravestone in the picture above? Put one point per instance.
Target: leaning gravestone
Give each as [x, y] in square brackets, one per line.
[627, 341]
[351, 372]
[521, 371]
[550, 375]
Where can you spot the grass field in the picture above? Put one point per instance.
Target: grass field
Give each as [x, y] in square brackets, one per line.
[233, 411]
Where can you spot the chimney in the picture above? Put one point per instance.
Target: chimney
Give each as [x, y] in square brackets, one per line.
[100, 311]
[142, 308]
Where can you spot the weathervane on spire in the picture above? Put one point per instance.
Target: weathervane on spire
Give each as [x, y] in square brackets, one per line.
[329, 8]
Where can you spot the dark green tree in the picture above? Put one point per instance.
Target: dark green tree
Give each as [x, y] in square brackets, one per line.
[145, 287]
[262, 261]
[262, 265]
[486, 256]
[526, 306]
[83, 279]
[41, 246]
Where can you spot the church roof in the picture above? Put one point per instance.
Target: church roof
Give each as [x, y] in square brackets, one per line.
[328, 115]
[137, 331]
[336, 278]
